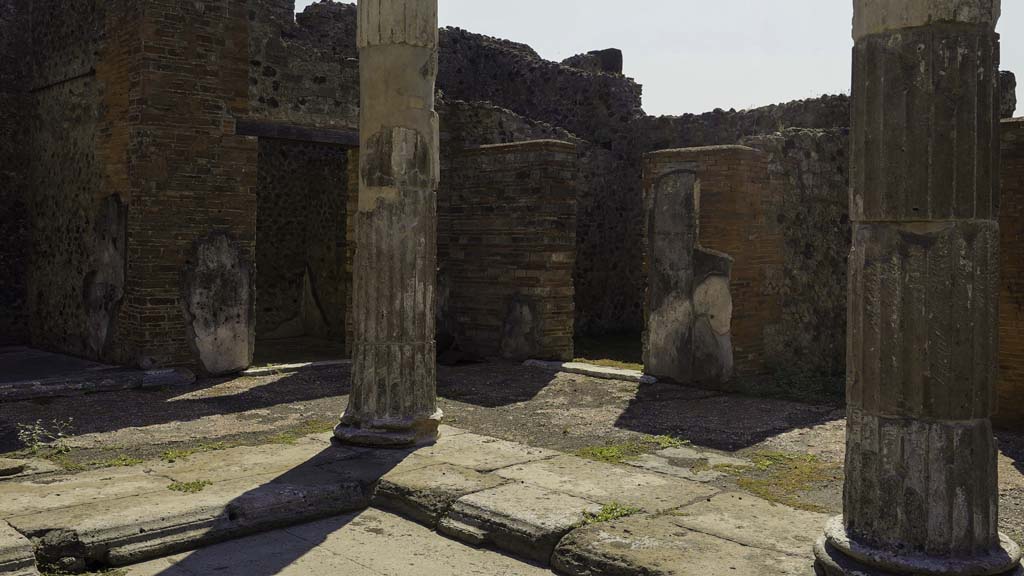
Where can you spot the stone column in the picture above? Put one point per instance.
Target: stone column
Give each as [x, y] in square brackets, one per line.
[921, 493]
[394, 391]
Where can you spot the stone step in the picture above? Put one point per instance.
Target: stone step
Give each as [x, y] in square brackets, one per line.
[594, 371]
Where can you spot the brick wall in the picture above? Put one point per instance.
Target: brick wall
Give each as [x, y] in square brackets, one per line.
[301, 240]
[14, 115]
[506, 248]
[739, 213]
[1011, 314]
[192, 176]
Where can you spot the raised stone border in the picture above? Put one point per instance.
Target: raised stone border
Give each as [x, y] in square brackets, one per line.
[529, 502]
[89, 382]
[278, 369]
[584, 369]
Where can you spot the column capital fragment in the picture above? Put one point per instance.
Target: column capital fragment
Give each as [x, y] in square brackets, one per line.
[879, 16]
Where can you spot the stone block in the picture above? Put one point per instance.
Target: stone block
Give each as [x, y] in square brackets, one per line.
[519, 518]
[660, 545]
[17, 555]
[609, 483]
[426, 494]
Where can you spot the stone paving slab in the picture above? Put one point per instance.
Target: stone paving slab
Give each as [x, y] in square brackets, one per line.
[243, 462]
[370, 543]
[425, 494]
[609, 483]
[9, 467]
[594, 371]
[136, 528]
[751, 521]
[657, 545]
[688, 462]
[482, 453]
[16, 553]
[522, 519]
[19, 498]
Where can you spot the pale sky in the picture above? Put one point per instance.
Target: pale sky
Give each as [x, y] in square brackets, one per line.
[696, 55]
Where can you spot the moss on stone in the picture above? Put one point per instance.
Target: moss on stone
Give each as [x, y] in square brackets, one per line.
[783, 477]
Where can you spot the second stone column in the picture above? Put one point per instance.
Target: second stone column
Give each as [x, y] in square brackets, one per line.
[921, 494]
[394, 392]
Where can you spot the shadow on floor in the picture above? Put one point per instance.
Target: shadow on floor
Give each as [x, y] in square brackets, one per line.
[723, 421]
[492, 385]
[297, 350]
[106, 412]
[314, 487]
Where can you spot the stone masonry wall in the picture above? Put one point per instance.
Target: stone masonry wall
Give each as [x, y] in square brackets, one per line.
[300, 240]
[739, 216]
[1011, 327]
[15, 111]
[810, 168]
[192, 223]
[304, 70]
[506, 249]
[81, 80]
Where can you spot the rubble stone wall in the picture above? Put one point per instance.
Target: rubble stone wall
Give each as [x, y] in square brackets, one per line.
[301, 240]
[810, 169]
[15, 111]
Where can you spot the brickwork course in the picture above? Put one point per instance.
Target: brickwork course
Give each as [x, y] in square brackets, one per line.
[1010, 406]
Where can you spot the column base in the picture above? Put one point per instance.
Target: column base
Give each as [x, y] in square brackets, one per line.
[837, 555]
[389, 434]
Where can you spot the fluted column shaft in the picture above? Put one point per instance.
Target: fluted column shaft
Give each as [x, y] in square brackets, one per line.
[394, 393]
[921, 494]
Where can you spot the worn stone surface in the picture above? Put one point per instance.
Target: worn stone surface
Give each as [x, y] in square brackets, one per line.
[10, 467]
[1010, 391]
[525, 520]
[482, 453]
[921, 471]
[219, 299]
[1008, 94]
[754, 522]
[426, 494]
[17, 556]
[394, 388]
[370, 543]
[688, 462]
[661, 545]
[602, 372]
[689, 306]
[609, 483]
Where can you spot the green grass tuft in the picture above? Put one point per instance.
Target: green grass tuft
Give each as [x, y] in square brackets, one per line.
[631, 450]
[194, 487]
[611, 511]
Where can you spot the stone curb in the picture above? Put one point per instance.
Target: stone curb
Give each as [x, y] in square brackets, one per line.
[107, 380]
[602, 372]
[278, 369]
[17, 557]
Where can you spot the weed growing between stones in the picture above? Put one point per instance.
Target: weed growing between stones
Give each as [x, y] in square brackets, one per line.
[307, 428]
[121, 461]
[194, 487]
[176, 454]
[46, 439]
[626, 451]
[609, 512]
[783, 477]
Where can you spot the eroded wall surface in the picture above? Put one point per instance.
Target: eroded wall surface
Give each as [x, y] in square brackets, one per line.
[14, 159]
[301, 240]
[1011, 314]
[810, 170]
[506, 249]
[81, 84]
